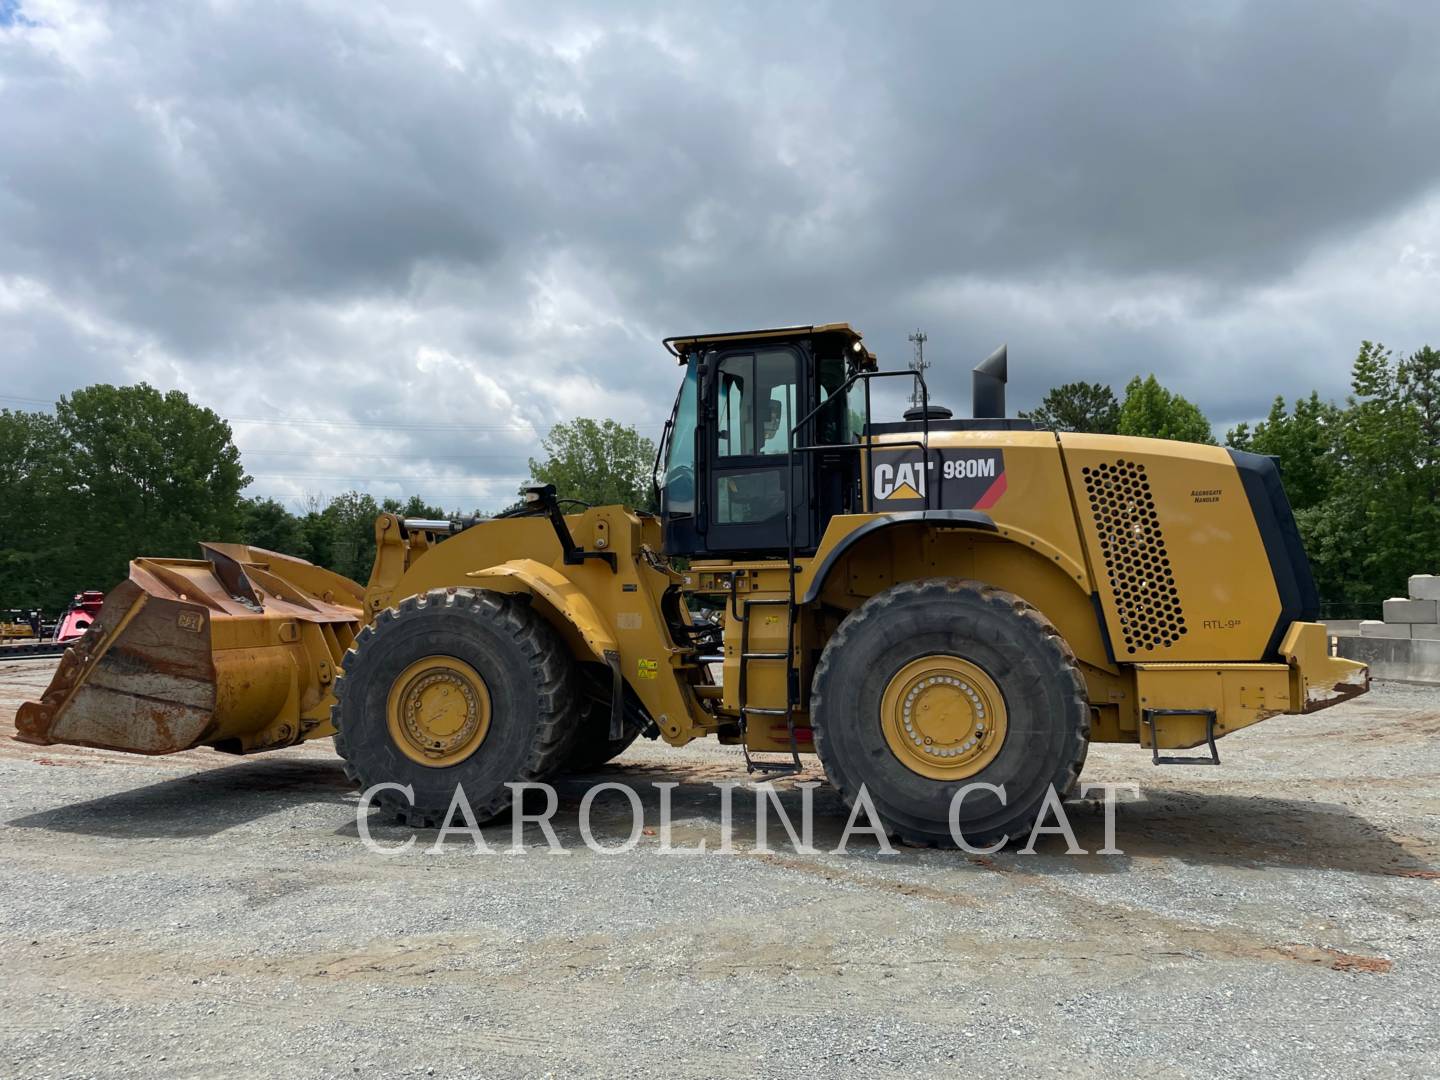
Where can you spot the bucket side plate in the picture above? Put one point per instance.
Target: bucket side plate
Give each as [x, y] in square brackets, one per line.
[189, 653]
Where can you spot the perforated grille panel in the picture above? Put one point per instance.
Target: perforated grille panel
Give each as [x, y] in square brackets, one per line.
[1133, 547]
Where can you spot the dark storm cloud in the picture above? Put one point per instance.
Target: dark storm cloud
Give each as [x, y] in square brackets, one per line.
[1159, 138]
[487, 216]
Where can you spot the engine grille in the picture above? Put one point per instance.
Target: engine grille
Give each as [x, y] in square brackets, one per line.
[1133, 547]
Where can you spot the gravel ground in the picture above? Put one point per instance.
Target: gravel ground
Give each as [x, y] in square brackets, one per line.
[199, 914]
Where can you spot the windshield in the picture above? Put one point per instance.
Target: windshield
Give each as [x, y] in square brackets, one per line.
[679, 488]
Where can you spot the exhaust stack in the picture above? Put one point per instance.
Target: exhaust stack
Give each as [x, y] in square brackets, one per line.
[987, 394]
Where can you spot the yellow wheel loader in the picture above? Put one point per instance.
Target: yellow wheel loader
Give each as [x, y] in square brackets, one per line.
[932, 605]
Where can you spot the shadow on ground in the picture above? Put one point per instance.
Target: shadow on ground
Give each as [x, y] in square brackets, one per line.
[1193, 826]
[199, 804]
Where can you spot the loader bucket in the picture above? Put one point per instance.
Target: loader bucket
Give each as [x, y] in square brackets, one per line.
[237, 651]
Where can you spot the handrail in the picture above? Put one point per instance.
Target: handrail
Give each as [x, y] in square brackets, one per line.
[867, 503]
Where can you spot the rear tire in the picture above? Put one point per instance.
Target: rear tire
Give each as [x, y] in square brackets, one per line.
[1030, 696]
[522, 715]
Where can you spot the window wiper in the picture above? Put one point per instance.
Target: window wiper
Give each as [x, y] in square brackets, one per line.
[664, 445]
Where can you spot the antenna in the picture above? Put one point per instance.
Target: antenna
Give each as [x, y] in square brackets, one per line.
[918, 363]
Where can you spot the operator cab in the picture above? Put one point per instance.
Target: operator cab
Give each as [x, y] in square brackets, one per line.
[733, 483]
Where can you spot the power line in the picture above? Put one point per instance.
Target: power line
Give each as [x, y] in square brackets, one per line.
[300, 421]
[34, 400]
[370, 424]
[295, 421]
[384, 455]
[472, 498]
[356, 480]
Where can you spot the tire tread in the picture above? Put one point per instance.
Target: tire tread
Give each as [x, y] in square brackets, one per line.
[551, 665]
[877, 608]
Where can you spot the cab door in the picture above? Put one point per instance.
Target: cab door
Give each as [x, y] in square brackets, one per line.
[757, 395]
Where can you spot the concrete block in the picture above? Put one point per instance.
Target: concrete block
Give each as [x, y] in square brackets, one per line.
[1425, 587]
[1425, 631]
[1392, 658]
[1401, 610]
[1376, 628]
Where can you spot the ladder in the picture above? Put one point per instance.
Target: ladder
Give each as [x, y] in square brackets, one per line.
[742, 613]
[780, 768]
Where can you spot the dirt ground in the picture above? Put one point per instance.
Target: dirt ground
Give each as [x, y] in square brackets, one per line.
[199, 914]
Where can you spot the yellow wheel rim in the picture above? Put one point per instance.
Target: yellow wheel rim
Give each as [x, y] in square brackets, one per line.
[438, 711]
[943, 717]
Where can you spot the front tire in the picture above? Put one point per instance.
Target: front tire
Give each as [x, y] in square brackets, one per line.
[937, 684]
[592, 747]
[456, 687]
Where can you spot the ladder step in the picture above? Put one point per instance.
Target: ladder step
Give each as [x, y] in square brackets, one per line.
[778, 769]
[1213, 759]
[1147, 719]
[785, 768]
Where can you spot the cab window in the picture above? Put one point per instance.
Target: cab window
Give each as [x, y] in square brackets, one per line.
[754, 409]
[836, 422]
[756, 404]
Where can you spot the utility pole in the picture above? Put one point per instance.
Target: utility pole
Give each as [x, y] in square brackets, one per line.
[918, 363]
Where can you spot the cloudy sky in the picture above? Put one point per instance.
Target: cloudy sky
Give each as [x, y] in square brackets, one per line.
[394, 242]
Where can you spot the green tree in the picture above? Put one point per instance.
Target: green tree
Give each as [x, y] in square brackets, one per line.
[115, 473]
[338, 533]
[415, 507]
[1382, 520]
[597, 462]
[1418, 380]
[317, 534]
[349, 527]
[1305, 442]
[146, 473]
[1078, 406]
[1152, 412]
[266, 523]
[34, 542]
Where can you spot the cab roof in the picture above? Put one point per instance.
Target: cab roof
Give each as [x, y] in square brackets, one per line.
[850, 338]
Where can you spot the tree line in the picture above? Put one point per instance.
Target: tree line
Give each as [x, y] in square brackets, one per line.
[592, 461]
[117, 472]
[1363, 477]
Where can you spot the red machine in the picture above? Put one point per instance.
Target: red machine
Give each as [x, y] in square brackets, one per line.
[80, 614]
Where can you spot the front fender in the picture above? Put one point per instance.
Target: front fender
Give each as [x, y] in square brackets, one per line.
[556, 593]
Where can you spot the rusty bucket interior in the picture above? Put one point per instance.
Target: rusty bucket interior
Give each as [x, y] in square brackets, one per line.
[237, 651]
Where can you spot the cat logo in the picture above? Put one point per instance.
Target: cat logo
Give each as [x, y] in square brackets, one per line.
[905, 480]
[947, 478]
